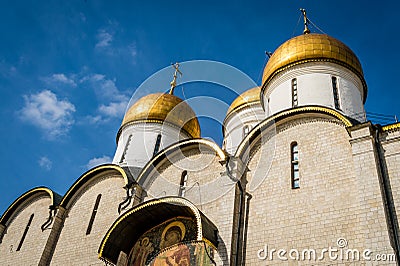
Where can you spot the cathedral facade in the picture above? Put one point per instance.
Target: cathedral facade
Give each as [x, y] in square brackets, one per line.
[302, 178]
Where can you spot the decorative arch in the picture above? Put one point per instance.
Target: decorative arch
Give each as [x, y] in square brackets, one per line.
[174, 147]
[253, 135]
[35, 192]
[83, 179]
[128, 228]
[391, 127]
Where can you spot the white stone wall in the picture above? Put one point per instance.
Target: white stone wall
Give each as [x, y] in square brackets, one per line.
[248, 116]
[35, 240]
[208, 188]
[314, 87]
[339, 195]
[140, 148]
[391, 146]
[74, 247]
[366, 169]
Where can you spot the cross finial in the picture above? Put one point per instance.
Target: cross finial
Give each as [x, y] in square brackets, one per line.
[306, 29]
[173, 82]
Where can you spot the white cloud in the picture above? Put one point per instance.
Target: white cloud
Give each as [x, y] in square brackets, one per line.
[48, 113]
[45, 163]
[7, 70]
[114, 109]
[114, 102]
[82, 17]
[132, 50]
[56, 79]
[110, 43]
[98, 161]
[104, 38]
[94, 119]
[104, 88]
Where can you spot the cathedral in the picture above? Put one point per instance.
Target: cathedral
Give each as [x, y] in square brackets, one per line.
[302, 178]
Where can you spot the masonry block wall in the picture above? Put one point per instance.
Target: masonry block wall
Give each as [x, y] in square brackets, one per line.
[35, 239]
[208, 188]
[372, 204]
[339, 194]
[391, 147]
[74, 246]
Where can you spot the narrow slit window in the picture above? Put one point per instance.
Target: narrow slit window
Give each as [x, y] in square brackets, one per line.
[94, 212]
[335, 93]
[295, 165]
[25, 232]
[246, 130]
[125, 149]
[295, 99]
[183, 183]
[158, 144]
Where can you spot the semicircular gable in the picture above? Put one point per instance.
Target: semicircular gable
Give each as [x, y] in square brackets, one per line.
[244, 147]
[86, 177]
[29, 195]
[177, 146]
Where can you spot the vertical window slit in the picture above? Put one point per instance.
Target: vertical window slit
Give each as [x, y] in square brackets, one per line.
[94, 212]
[125, 149]
[183, 183]
[295, 165]
[295, 99]
[246, 130]
[25, 232]
[157, 145]
[335, 93]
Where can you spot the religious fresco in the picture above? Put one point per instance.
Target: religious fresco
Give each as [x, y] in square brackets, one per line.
[185, 254]
[170, 243]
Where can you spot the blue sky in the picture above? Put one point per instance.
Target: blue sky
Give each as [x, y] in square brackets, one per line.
[69, 68]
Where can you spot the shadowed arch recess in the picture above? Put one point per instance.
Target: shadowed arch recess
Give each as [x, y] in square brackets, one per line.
[127, 229]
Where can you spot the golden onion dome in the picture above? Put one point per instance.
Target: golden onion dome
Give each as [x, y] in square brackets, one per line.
[248, 97]
[311, 48]
[160, 108]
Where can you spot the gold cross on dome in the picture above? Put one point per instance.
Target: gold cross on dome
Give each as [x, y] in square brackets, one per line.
[306, 29]
[173, 82]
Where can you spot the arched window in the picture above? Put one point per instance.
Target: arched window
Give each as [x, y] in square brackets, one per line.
[295, 165]
[94, 212]
[246, 130]
[157, 145]
[224, 144]
[295, 99]
[183, 183]
[335, 93]
[25, 232]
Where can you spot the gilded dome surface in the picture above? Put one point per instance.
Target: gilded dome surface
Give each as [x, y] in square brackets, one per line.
[162, 107]
[309, 48]
[247, 97]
